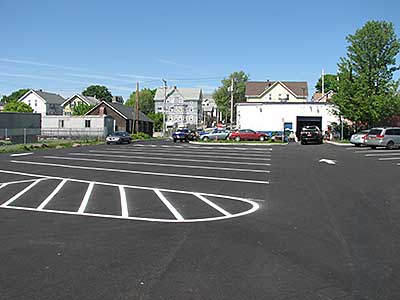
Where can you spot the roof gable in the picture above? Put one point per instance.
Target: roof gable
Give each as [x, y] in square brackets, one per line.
[88, 100]
[258, 88]
[126, 112]
[186, 93]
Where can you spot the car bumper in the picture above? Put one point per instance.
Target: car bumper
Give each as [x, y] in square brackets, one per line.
[375, 142]
[357, 141]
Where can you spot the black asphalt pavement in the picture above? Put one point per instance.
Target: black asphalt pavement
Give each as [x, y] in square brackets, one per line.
[158, 220]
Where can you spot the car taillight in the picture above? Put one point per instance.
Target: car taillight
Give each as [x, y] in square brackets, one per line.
[380, 136]
[364, 137]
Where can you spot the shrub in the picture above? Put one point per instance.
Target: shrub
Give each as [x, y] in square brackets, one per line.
[140, 136]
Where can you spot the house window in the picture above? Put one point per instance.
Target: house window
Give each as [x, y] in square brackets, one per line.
[270, 96]
[29, 102]
[287, 96]
[87, 123]
[60, 123]
[35, 102]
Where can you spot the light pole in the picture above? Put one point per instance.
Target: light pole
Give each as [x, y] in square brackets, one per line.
[164, 107]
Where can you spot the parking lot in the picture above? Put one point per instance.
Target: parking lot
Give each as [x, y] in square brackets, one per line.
[157, 220]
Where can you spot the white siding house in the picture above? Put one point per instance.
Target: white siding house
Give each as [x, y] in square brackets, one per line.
[43, 103]
[276, 91]
[76, 99]
[183, 105]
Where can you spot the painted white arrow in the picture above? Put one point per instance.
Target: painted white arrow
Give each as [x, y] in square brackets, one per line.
[328, 161]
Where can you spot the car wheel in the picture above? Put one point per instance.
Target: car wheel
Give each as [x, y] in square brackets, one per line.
[206, 139]
[373, 147]
[262, 138]
[237, 139]
[357, 145]
[390, 145]
[108, 143]
[174, 140]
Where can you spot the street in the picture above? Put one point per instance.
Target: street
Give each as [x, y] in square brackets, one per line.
[158, 220]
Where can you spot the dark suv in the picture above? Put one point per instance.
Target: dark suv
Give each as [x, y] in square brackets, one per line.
[184, 135]
[311, 134]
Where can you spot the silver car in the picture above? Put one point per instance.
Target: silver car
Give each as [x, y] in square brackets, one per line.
[217, 134]
[388, 137]
[358, 139]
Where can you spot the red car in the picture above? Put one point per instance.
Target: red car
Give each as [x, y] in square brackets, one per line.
[247, 134]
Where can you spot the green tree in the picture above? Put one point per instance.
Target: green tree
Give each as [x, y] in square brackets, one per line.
[14, 96]
[81, 109]
[15, 106]
[367, 92]
[222, 95]
[158, 120]
[146, 100]
[330, 83]
[99, 91]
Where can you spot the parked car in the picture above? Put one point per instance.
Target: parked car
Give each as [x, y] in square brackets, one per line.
[383, 137]
[311, 134]
[248, 134]
[358, 139]
[184, 135]
[118, 137]
[217, 134]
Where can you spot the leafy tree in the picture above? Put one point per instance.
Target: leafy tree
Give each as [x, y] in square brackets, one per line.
[330, 83]
[367, 92]
[158, 120]
[222, 95]
[146, 100]
[14, 96]
[99, 91]
[15, 106]
[81, 109]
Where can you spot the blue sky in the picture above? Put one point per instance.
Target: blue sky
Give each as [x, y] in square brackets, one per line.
[64, 46]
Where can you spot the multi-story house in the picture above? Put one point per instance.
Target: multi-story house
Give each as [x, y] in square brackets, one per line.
[43, 103]
[76, 99]
[182, 105]
[276, 91]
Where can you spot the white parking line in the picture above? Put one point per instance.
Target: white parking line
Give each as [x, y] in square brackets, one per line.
[378, 151]
[156, 164]
[260, 148]
[213, 205]
[171, 208]
[142, 172]
[169, 158]
[22, 192]
[381, 154]
[21, 154]
[215, 155]
[390, 158]
[124, 204]
[51, 196]
[85, 200]
[197, 152]
[18, 181]
[200, 150]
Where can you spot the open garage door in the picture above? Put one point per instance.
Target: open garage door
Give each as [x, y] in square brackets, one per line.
[307, 121]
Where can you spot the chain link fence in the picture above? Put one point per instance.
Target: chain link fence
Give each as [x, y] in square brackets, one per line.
[34, 135]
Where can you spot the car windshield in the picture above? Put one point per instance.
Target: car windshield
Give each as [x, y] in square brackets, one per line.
[119, 133]
[375, 132]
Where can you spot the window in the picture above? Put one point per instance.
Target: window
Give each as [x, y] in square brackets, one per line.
[160, 108]
[60, 123]
[390, 132]
[35, 102]
[87, 123]
[396, 131]
[270, 96]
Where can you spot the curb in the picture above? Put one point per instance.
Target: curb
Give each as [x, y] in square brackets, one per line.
[339, 144]
[236, 144]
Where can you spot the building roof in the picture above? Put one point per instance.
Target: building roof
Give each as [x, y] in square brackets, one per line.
[50, 97]
[89, 100]
[318, 97]
[256, 88]
[127, 112]
[186, 93]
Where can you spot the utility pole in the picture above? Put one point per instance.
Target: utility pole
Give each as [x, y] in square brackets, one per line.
[323, 82]
[137, 107]
[164, 107]
[232, 104]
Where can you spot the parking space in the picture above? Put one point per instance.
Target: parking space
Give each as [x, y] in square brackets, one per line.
[163, 183]
[381, 155]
